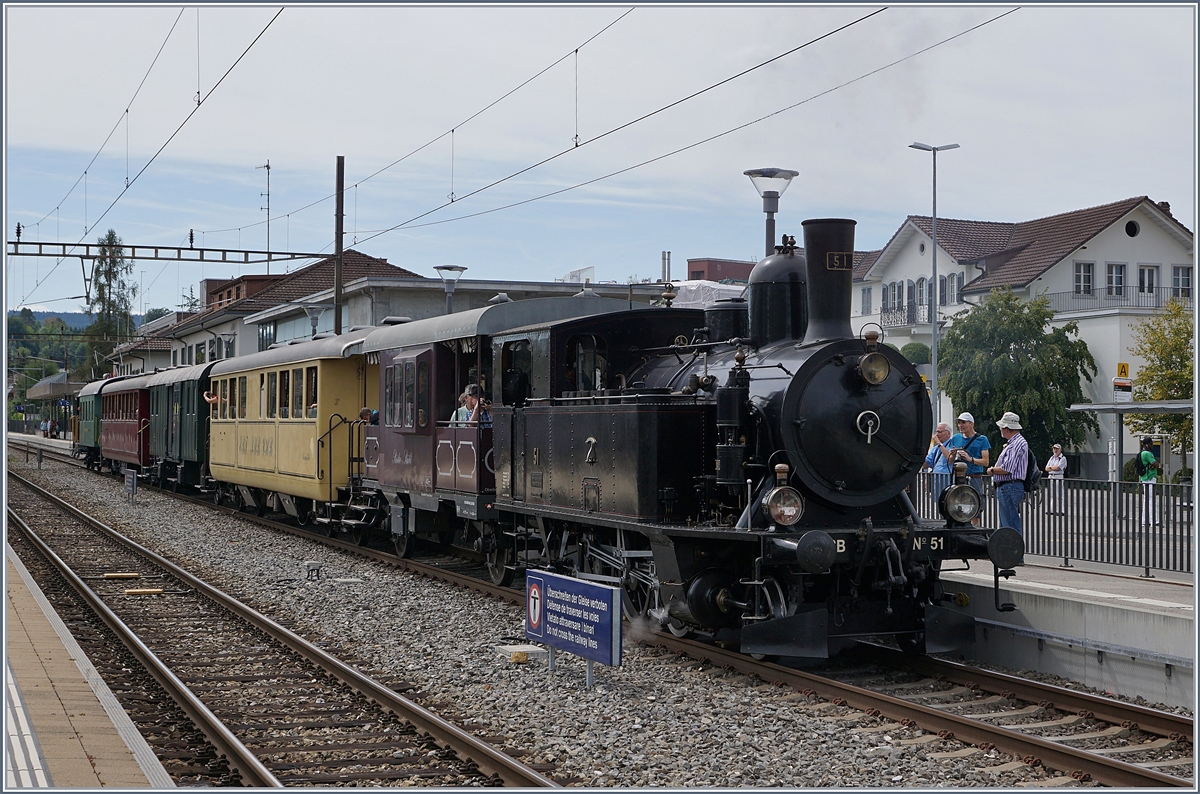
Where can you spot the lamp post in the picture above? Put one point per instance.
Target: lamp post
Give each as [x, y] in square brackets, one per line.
[450, 274]
[314, 312]
[770, 184]
[935, 294]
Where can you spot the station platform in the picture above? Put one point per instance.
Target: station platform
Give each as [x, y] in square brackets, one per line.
[1103, 626]
[65, 728]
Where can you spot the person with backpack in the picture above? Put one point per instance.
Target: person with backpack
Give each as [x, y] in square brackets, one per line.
[1146, 466]
[1010, 471]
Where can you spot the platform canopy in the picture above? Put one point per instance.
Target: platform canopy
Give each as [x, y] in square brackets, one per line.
[53, 387]
[1140, 407]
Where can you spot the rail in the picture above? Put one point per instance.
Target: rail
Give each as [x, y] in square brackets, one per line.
[1139, 525]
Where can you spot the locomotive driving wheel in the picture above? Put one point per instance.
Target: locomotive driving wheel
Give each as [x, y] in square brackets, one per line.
[635, 572]
[501, 556]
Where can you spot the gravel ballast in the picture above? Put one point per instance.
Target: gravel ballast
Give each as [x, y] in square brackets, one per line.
[658, 720]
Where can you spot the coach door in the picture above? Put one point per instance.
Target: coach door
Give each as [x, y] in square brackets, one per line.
[172, 417]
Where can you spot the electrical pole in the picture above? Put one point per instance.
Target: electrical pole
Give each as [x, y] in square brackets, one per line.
[268, 209]
[337, 243]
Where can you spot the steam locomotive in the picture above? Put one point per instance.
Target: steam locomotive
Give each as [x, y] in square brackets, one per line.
[739, 471]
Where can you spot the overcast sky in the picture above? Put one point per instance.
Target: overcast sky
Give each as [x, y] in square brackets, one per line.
[1055, 108]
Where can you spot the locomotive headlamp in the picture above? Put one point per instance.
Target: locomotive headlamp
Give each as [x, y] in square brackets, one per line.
[959, 503]
[784, 505]
[874, 368]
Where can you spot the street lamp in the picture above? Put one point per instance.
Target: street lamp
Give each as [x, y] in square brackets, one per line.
[933, 302]
[770, 184]
[314, 312]
[450, 274]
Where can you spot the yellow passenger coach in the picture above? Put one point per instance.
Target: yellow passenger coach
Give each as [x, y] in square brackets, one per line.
[285, 430]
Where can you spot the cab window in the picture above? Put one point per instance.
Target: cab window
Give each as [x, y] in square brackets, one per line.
[516, 369]
[587, 363]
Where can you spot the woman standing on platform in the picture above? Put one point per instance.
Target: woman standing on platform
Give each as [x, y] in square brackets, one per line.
[1056, 469]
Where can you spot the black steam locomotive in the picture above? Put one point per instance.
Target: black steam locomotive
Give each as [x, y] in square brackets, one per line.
[738, 473]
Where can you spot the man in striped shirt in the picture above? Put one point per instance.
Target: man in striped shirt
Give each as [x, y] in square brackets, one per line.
[1008, 474]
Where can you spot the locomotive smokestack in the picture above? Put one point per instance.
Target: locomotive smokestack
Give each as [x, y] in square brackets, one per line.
[829, 251]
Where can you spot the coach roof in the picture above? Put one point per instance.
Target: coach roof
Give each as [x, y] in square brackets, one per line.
[342, 346]
[490, 320]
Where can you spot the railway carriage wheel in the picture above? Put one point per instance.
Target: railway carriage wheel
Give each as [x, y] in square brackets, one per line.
[404, 543]
[501, 556]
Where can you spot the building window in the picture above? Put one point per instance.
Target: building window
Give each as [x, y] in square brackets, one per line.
[1147, 278]
[952, 284]
[1181, 281]
[1116, 280]
[199, 347]
[1083, 278]
[866, 300]
[174, 357]
[922, 292]
[697, 275]
[266, 335]
[884, 303]
[941, 290]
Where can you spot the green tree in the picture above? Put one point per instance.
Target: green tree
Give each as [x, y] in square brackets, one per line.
[113, 293]
[188, 301]
[1165, 342]
[916, 352]
[154, 314]
[1003, 356]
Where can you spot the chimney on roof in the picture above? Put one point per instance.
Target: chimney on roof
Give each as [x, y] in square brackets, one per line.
[1165, 207]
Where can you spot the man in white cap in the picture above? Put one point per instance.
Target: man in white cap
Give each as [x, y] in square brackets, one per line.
[1009, 472]
[1056, 469]
[972, 449]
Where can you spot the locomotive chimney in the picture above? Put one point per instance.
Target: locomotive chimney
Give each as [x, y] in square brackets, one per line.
[829, 251]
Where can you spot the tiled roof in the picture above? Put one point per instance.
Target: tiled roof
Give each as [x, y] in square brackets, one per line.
[1023, 251]
[301, 283]
[863, 261]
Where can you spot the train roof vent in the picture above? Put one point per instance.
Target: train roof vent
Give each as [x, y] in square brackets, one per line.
[501, 297]
[324, 335]
[278, 344]
[354, 328]
[586, 292]
[394, 320]
[298, 341]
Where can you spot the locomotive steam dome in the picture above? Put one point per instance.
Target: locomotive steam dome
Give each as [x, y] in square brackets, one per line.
[778, 298]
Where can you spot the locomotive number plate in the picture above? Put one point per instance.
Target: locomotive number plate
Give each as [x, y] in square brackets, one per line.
[839, 260]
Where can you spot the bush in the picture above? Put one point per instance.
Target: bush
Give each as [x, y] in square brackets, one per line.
[1182, 474]
[916, 352]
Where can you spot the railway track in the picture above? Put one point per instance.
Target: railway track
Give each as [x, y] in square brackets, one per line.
[954, 711]
[277, 709]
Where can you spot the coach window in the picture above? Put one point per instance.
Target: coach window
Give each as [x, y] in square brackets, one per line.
[224, 399]
[410, 408]
[241, 405]
[272, 383]
[233, 398]
[389, 396]
[310, 391]
[298, 394]
[283, 394]
[422, 393]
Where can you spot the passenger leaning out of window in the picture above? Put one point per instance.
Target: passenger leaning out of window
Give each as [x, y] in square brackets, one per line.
[474, 409]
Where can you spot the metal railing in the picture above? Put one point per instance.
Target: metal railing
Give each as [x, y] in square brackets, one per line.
[1116, 523]
[904, 316]
[1130, 296]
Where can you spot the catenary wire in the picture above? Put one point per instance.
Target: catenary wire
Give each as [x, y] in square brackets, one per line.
[628, 124]
[160, 150]
[730, 131]
[124, 116]
[450, 131]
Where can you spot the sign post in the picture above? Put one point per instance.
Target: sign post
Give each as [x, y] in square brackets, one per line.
[131, 484]
[574, 615]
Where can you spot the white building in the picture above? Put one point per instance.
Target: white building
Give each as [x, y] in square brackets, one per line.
[1107, 268]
